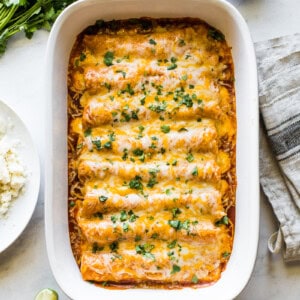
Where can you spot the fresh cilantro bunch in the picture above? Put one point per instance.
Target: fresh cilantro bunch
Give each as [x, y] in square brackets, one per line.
[27, 16]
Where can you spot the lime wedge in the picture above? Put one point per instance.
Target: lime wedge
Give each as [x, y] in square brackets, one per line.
[46, 294]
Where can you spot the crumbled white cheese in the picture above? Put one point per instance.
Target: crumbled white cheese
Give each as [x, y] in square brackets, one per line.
[12, 172]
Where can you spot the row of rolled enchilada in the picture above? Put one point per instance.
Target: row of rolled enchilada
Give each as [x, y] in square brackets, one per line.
[152, 155]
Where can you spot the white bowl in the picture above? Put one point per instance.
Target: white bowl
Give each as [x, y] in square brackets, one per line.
[217, 13]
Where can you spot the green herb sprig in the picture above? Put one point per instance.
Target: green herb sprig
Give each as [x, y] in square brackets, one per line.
[27, 16]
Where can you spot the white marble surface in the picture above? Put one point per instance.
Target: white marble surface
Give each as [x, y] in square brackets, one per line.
[24, 267]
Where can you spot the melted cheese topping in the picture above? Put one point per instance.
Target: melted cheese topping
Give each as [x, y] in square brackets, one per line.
[151, 152]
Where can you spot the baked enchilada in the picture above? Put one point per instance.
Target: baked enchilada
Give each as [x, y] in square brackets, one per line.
[151, 145]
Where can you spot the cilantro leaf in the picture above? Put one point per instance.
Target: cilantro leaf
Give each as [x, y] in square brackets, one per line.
[108, 58]
[165, 128]
[27, 16]
[216, 35]
[175, 269]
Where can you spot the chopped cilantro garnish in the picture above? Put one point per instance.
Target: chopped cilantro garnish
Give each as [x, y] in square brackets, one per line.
[125, 154]
[137, 238]
[123, 216]
[128, 90]
[82, 56]
[112, 136]
[173, 60]
[184, 77]
[187, 100]
[175, 269]
[174, 162]
[185, 225]
[136, 183]
[159, 89]
[132, 216]
[223, 221]
[226, 254]
[141, 129]
[145, 250]
[122, 72]
[172, 67]
[87, 132]
[182, 129]
[114, 246]
[171, 255]
[181, 42]
[107, 85]
[99, 215]
[165, 128]
[152, 181]
[155, 235]
[115, 256]
[152, 146]
[125, 227]
[103, 198]
[108, 58]
[172, 245]
[216, 34]
[175, 212]
[158, 108]
[100, 23]
[134, 115]
[176, 224]
[153, 172]
[152, 42]
[97, 143]
[195, 171]
[138, 152]
[96, 248]
[143, 100]
[173, 64]
[114, 219]
[189, 157]
[108, 145]
[123, 58]
[126, 116]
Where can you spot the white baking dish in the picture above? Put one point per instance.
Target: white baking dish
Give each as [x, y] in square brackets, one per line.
[217, 13]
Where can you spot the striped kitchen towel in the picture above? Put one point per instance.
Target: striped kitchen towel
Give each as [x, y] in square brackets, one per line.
[279, 99]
